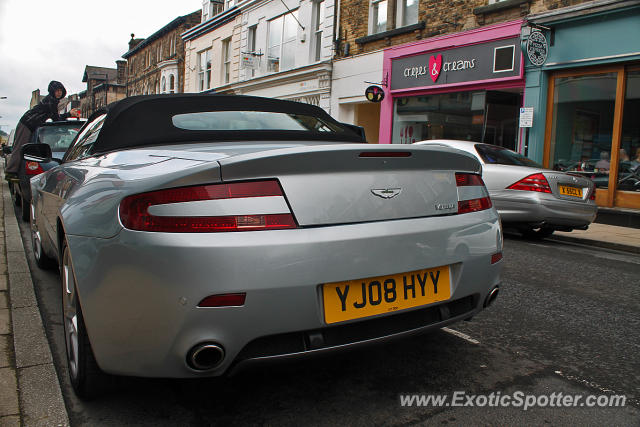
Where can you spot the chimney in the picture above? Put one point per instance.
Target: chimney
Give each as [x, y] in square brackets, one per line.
[134, 42]
[122, 72]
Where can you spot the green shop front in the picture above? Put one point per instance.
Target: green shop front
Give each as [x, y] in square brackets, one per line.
[582, 70]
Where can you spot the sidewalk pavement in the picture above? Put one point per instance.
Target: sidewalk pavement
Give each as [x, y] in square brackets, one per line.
[30, 392]
[605, 236]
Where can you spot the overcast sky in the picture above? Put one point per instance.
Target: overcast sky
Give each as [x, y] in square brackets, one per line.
[44, 40]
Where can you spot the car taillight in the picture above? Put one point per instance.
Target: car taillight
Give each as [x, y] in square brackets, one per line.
[472, 194]
[535, 182]
[32, 168]
[241, 206]
[593, 195]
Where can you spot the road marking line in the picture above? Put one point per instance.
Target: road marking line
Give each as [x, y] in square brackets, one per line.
[461, 335]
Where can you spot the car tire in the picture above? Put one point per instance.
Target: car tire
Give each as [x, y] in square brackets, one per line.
[86, 377]
[25, 208]
[537, 233]
[17, 200]
[42, 259]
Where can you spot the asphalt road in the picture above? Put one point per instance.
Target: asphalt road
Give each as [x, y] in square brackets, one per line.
[567, 321]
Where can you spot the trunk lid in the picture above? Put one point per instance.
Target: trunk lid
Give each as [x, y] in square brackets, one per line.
[351, 183]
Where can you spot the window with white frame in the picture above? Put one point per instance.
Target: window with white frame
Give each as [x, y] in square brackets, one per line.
[211, 8]
[407, 12]
[172, 83]
[378, 16]
[164, 84]
[251, 45]
[318, 20]
[229, 4]
[282, 42]
[204, 70]
[226, 60]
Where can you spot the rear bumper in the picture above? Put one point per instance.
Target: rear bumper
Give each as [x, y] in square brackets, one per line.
[542, 209]
[139, 291]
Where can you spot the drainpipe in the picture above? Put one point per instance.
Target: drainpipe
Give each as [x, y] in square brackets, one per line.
[336, 24]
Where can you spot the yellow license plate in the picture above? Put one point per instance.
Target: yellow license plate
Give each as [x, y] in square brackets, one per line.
[570, 191]
[354, 299]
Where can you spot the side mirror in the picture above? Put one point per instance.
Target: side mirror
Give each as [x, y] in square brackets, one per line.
[358, 130]
[36, 153]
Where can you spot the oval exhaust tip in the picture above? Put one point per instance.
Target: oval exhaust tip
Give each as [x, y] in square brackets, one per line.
[491, 297]
[205, 356]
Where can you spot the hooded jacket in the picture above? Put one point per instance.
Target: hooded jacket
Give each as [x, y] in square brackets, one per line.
[46, 109]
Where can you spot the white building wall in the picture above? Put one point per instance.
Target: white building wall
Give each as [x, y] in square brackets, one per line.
[348, 82]
[212, 40]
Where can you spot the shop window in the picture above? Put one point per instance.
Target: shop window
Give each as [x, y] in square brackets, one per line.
[629, 158]
[483, 116]
[582, 125]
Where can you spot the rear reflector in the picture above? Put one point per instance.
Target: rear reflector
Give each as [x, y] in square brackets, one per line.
[223, 300]
[536, 182]
[385, 154]
[468, 181]
[134, 210]
[496, 257]
[32, 168]
[474, 205]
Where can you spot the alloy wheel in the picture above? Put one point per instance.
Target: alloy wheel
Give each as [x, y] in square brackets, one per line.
[70, 314]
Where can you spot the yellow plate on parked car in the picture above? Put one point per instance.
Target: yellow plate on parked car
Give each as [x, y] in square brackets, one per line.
[566, 190]
[354, 299]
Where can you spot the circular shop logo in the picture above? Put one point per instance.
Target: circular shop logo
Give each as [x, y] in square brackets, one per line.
[537, 48]
[374, 93]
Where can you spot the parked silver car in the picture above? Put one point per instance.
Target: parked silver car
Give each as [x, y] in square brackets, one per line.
[528, 197]
[199, 233]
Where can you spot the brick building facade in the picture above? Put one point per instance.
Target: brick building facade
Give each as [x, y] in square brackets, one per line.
[357, 32]
[156, 64]
[104, 86]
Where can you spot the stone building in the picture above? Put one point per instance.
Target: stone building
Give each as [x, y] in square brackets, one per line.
[104, 86]
[156, 64]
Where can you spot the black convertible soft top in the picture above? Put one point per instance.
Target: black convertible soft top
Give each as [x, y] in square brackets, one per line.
[147, 120]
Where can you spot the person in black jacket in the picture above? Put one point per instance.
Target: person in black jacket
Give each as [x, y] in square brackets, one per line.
[35, 117]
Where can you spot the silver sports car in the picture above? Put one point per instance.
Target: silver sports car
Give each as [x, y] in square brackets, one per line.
[534, 200]
[197, 234]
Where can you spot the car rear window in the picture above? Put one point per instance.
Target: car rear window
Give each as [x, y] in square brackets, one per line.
[252, 120]
[492, 154]
[58, 137]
